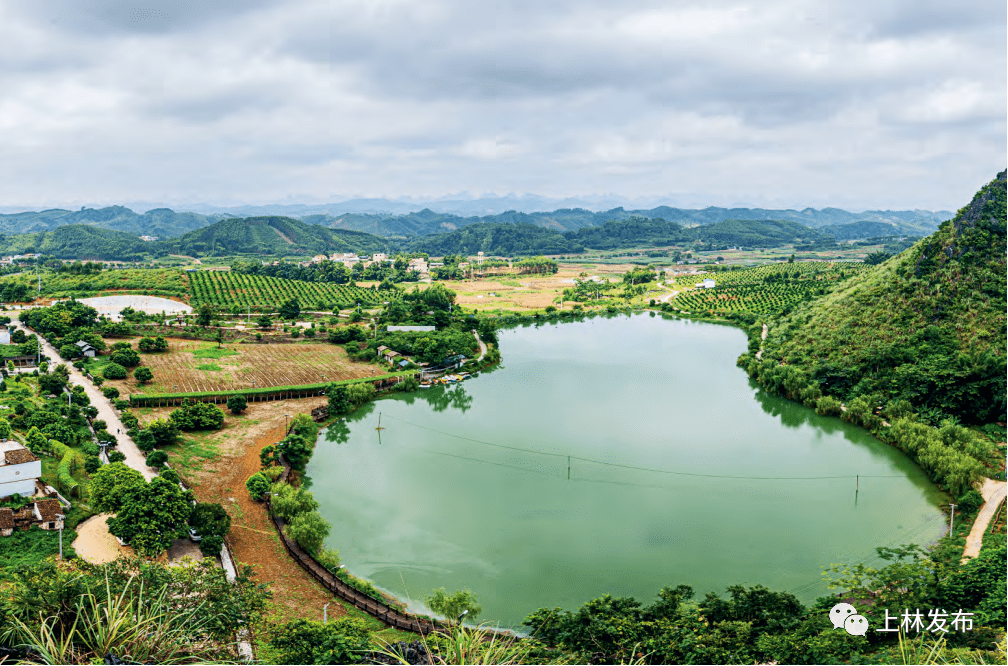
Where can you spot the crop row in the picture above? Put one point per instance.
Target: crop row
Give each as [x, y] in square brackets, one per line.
[225, 289]
[254, 394]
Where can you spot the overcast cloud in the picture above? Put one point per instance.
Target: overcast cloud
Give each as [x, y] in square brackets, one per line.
[855, 104]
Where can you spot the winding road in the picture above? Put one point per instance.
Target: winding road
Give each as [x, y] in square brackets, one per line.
[994, 493]
[134, 456]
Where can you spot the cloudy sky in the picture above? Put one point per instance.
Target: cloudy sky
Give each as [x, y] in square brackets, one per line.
[856, 104]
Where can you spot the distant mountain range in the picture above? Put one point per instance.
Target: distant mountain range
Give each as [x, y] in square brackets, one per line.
[351, 216]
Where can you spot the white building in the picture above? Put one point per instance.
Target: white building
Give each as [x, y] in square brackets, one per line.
[4, 335]
[379, 257]
[706, 284]
[19, 468]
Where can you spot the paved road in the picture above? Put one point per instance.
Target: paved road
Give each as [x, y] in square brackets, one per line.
[134, 457]
[994, 493]
[483, 347]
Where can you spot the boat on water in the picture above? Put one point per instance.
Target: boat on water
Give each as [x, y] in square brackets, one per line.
[425, 384]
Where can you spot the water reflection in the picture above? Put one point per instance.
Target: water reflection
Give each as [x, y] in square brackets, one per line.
[440, 398]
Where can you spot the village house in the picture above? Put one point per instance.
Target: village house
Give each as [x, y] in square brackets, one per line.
[19, 469]
[379, 257]
[48, 513]
[86, 349]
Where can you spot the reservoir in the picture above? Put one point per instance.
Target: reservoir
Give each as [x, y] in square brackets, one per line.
[681, 470]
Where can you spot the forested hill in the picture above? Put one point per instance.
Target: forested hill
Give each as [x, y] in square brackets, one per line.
[926, 327]
[275, 236]
[161, 222]
[424, 222]
[640, 231]
[496, 239]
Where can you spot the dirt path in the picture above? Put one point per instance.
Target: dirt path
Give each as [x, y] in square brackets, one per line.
[993, 493]
[94, 543]
[252, 537]
[672, 293]
[483, 347]
[759, 354]
[134, 457]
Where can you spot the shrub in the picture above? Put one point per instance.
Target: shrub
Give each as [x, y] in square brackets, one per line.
[99, 424]
[91, 464]
[116, 456]
[196, 415]
[126, 357]
[114, 371]
[309, 529]
[272, 473]
[120, 403]
[143, 375]
[144, 440]
[110, 392]
[157, 459]
[129, 420]
[258, 485]
[237, 403]
[97, 380]
[971, 501]
[212, 523]
[828, 406]
[165, 431]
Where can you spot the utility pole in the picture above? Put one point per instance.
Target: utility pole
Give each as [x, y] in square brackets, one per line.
[952, 518]
[60, 517]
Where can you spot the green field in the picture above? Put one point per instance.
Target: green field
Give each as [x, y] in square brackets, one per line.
[224, 289]
[764, 290]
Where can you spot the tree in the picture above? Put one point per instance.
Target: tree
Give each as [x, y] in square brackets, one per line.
[43, 367]
[344, 640]
[5, 429]
[128, 358]
[196, 415]
[117, 457]
[114, 371]
[339, 401]
[108, 485]
[257, 485]
[37, 442]
[92, 464]
[288, 501]
[110, 392]
[66, 351]
[143, 374]
[212, 523]
[165, 432]
[205, 315]
[451, 606]
[152, 515]
[237, 403]
[290, 309]
[144, 440]
[296, 449]
[309, 529]
[267, 456]
[156, 459]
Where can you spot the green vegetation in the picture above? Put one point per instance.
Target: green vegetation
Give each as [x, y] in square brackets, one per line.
[926, 327]
[265, 294]
[29, 547]
[153, 281]
[496, 238]
[767, 290]
[130, 610]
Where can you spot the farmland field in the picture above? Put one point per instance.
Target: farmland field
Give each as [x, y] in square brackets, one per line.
[224, 289]
[192, 366]
[768, 289]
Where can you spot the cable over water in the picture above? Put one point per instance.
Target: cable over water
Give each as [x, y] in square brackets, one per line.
[636, 467]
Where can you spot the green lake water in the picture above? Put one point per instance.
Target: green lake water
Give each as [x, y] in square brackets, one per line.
[468, 486]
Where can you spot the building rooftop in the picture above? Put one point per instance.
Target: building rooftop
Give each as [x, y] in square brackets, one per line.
[6, 518]
[13, 453]
[47, 509]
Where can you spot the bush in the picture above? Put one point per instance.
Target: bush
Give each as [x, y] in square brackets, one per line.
[970, 502]
[114, 371]
[258, 485]
[143, 375]
[120, 403]
[196, 415]
[129, 420]
[157, 459]
[91, 464]
[309, 530]
[828, 406]
[126, 357]
[110, 392]
[212, 523]
[272, 473]
[97, 380]
[237, 403]
[165, 431]
[144, 440]
[99, 424]
[116, 456]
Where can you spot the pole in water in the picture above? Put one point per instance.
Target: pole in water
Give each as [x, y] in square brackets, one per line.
[857, 483]
[568, 468]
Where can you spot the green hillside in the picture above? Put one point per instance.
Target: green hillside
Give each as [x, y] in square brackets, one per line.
[272, 236]
[499, 238]
[925, 330]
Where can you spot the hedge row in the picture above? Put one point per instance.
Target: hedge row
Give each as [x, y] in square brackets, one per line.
[64, 473]
[262, 393]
